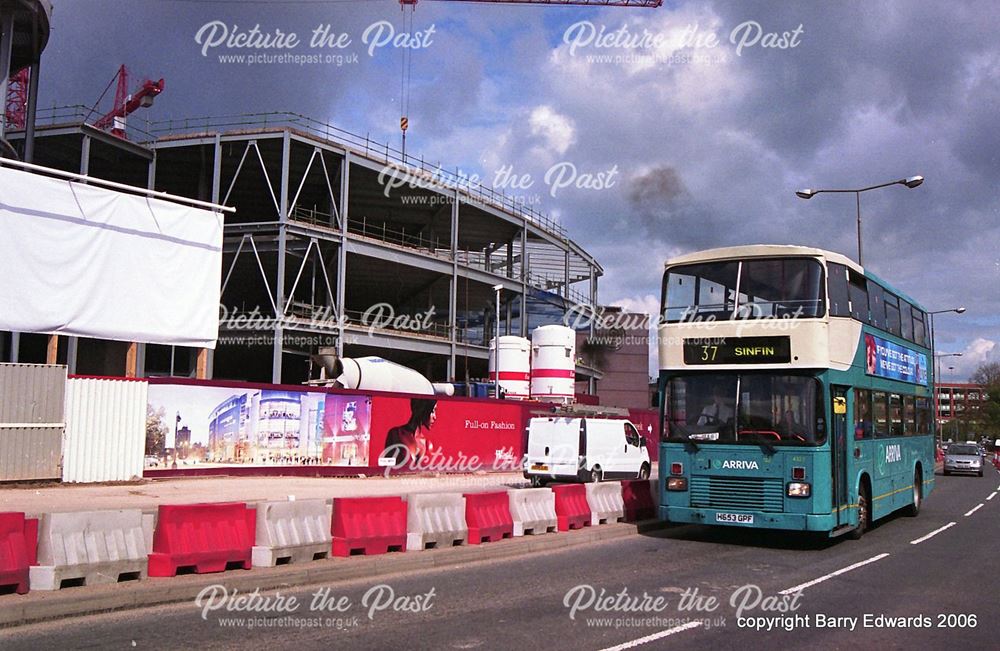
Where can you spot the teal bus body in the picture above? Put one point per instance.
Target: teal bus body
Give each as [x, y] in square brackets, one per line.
[867, 449]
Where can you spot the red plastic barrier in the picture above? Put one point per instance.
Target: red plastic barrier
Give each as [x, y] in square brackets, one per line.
[488, 516]
[638, 498]
[368, 525]
[572, 509]
[207, 537]
[18, 549]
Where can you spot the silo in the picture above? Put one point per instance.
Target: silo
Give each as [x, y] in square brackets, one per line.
[553, 363]
[515, 358]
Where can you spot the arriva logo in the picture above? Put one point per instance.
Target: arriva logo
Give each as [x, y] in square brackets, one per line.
[893, 453]
[740, 465]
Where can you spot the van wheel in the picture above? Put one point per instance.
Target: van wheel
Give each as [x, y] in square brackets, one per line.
[864, 513]
[918, 493]
[596, 475]
[644, 471]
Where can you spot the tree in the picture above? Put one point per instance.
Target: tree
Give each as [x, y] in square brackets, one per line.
[156, 430]
[988, 375]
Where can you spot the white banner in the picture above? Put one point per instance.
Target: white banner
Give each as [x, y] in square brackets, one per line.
[81, 260]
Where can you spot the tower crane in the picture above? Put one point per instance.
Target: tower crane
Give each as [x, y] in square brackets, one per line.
[127, 103]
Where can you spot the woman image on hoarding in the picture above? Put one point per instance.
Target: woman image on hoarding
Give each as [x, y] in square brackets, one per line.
[409, 440]
[871, 355]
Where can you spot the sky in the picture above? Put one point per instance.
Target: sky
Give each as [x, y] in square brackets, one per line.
[647, 132]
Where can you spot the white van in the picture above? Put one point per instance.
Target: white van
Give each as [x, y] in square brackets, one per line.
[588, 449]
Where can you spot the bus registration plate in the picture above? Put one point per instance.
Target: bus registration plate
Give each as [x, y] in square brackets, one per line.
[738, 518]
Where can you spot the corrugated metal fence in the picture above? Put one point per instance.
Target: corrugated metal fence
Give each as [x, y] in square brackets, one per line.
[31, 421]
[105, 429]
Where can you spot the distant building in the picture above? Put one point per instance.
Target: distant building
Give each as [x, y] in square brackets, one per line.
[183, 437]
[619, 347]
[962, 401]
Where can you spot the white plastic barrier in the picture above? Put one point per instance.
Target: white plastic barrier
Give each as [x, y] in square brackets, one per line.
[90, 548]
[533, 511]
[435, 520]
[606, 503]
[292, 532]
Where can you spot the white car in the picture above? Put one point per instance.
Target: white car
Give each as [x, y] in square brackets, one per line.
[587, 449]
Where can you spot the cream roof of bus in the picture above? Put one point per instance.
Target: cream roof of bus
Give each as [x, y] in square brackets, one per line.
[762, 250]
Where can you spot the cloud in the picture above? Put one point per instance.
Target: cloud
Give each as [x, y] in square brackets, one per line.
[556, 131]
[709, 145]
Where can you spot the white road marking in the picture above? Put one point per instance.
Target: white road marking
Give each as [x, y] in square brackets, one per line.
[974, 510]
[992, 495]
[654, 637]
[803, 586]
[932, 534]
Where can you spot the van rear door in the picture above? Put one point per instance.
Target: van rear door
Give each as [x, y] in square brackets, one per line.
[554, 442]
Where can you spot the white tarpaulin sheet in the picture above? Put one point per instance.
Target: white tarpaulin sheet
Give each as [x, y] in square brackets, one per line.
[82, 260]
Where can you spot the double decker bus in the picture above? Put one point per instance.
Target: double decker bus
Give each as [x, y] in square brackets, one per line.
[795, 392]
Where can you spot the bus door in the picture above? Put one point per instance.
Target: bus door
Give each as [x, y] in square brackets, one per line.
[839, 451]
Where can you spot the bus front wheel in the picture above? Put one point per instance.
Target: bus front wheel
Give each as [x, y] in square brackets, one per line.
[864, 512]
[918, 494]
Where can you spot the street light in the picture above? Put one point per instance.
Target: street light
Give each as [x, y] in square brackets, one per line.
[954, 409]
[937, 367]
[910, 182]
[937, 382]
[496, 346]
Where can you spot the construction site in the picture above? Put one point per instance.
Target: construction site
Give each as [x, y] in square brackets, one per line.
[338, 244]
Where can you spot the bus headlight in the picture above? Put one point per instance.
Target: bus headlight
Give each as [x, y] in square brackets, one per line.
[798, 489]
[677, 484]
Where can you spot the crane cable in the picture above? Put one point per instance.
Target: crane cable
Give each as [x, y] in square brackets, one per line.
[406, 73]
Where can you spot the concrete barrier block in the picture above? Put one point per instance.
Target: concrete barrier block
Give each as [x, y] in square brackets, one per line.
[606, 503]
[89, 548]
[533, 511]
[292, 532]
[435, 520]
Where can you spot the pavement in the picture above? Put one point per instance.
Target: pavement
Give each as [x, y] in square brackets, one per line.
[148, 494]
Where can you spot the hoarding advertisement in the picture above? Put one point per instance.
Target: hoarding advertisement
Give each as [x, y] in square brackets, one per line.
[447, 435]
[891, 360]
[195, 425]
[246, 426]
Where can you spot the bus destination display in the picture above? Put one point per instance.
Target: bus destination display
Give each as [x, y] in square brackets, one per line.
[738, 350]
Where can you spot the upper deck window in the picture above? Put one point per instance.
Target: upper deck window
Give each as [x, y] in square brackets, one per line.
[767, 287]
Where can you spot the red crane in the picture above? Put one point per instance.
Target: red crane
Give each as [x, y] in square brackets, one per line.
[17, 99]
[125, 103]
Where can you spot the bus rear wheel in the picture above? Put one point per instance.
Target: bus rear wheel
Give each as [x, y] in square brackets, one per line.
[864, 513]
[913, 510]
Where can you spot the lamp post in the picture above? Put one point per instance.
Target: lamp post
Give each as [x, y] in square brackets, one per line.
[954, 408]
[937, 382]
[496, 346]
[910, 182]
[937, 367]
